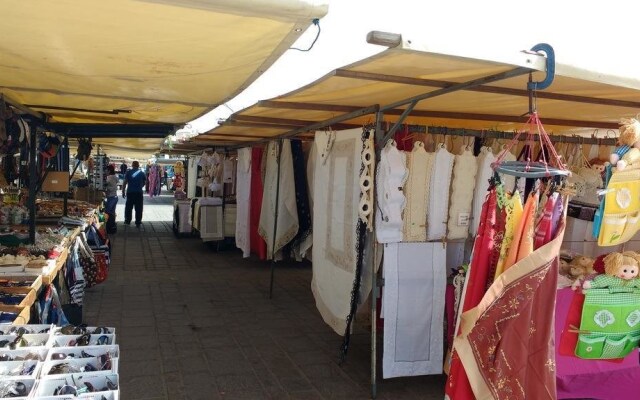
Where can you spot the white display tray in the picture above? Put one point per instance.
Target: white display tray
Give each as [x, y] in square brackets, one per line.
[48, 384]
[64, 340]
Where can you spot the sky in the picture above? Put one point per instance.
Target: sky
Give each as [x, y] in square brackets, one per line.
[596, 35]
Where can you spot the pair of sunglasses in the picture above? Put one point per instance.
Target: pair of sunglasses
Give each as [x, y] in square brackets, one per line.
[104, 364]
[87, 388]
[80, 329]
[85, 339]
[28, 356]
[63, 356]
[20, 370]
[13, 389]
[19, 341]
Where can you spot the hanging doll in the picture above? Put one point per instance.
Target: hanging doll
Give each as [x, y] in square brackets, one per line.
[621, 270]
[579, 268]
[628, 154]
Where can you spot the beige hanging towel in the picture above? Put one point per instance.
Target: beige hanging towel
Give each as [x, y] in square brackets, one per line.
[464, 181]
[287, 221]
[419, 164]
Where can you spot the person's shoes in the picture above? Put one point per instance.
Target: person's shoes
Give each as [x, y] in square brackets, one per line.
[127, 222]
[138, 224]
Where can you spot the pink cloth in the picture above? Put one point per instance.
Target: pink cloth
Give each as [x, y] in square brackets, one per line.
[604, 380]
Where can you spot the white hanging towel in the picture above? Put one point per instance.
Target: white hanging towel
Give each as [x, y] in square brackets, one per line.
[391, 176]
[508, 181]
[439, 184]
[243, 201]
[287, 222]
[485, 159]
[420, 164]
[413, 301]
[464, 181]
[336, 197]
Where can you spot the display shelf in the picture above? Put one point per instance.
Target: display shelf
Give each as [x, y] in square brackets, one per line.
[30, 295]
[23, 313]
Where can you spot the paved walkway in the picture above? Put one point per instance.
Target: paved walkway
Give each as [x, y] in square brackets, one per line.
[193, 323]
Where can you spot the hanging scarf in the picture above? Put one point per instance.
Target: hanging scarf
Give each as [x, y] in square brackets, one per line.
[458, 387]
[302, 202]
[257, 243]
[506, 342]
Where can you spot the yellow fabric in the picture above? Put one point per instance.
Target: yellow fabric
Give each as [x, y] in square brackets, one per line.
[621, 218]
[514, 214]
[522, 244]
[154, 60]
[355, 86]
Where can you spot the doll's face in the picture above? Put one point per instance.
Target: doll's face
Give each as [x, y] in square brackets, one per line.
[628, 271]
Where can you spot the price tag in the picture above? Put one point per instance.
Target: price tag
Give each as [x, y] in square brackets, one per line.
[463, 219]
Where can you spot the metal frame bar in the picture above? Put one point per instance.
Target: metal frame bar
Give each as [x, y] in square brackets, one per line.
[399, 122]
[318, 125]
[483, 88]
[434, 130]
[447, 114]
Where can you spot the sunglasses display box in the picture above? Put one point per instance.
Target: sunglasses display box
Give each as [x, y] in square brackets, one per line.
[47, 386]
[74, 358]
[98, 339]
[29, 384]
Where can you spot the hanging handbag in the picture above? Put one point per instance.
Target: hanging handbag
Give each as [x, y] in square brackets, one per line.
[88, 263]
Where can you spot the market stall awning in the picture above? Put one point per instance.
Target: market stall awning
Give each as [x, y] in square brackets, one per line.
[498, 100]
[141, 61]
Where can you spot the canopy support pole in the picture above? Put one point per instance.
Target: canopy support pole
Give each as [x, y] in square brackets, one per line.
[33, 185]
[374, 278]
[399, 122]
[275, 221]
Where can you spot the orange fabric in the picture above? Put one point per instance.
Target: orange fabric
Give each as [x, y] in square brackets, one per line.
[522, 244]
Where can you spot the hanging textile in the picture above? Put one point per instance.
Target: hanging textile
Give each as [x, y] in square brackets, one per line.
[542, 232]
[286, 224]
[419, 164]
[299, 245]
[391, 176]
[458, 387]
[311, 168]
[522, 244]
[243, 201]
[336, 198]
[508, 181]
[513, 209]
[192, 177]
[439, 183]
[506, 342]
[485, 172]
[257, 243]
[464, 180]
[415, 281]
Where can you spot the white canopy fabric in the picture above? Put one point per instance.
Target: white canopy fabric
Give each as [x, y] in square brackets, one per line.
[137, 61]
[577, 98]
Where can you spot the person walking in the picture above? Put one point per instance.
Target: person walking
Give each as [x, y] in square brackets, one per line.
[134, 181]
[111, 194]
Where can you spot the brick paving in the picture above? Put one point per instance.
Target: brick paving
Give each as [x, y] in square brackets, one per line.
[196, 323]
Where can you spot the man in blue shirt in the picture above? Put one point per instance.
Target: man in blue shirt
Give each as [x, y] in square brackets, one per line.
[134, 181]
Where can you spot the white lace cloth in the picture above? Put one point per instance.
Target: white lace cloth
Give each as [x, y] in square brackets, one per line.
[439, 185]
[336, 196]
[243, 201]
[287, 221]
[413, 301]
[392, 174]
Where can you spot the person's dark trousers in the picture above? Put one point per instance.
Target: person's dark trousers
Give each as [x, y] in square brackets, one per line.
[134, 200]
